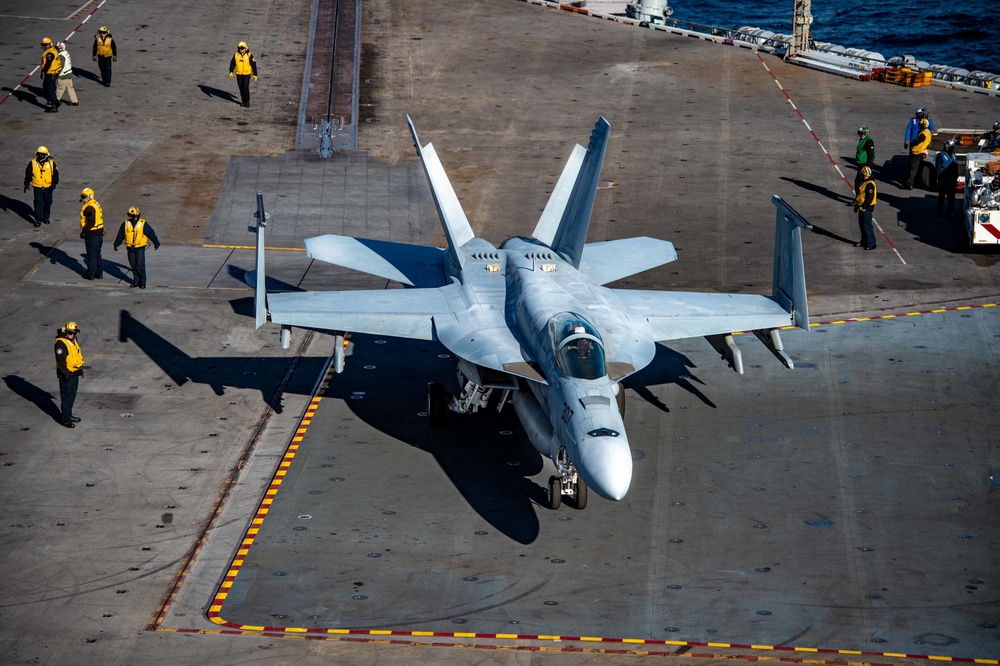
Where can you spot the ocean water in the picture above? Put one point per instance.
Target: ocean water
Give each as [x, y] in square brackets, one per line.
[958, 34]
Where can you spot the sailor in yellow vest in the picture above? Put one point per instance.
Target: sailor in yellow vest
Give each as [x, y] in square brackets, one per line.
[69, 369]
[244, 65]
[136, 233]
[42, 175]
[918, 151]
[92, 233]
[51, 67]
[105, 50]
[864, 204]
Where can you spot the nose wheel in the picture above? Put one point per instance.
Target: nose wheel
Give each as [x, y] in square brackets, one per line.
[574, 488]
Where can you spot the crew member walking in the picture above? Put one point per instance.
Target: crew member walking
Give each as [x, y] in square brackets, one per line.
[946, 165]
[918, 149]
[92, 233]
[64, 83]
[50, 68]
[69, 369]
[105, 50]
[136, 233]
[42, 175]
[864, 204]
[865, 154]
[244, 65]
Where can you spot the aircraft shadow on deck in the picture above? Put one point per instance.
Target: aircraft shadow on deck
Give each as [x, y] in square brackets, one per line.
[486, 456]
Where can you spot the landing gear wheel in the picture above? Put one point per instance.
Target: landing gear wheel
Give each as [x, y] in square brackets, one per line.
[555, 492]
[437, 403]
[580, 502]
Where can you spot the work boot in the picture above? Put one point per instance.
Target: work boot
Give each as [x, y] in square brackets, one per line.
[67, 424]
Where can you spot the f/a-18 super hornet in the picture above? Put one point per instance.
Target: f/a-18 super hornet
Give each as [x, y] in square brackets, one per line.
[531, 318]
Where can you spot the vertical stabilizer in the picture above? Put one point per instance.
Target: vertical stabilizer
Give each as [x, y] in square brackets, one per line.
[789, 278]
[453, 220]
[568, 233]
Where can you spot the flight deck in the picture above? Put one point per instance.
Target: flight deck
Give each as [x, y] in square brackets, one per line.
[226, 500]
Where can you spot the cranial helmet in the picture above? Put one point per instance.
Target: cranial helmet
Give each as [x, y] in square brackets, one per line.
[241, 45]
[42, 150]
[866, 172]
[71, 327]
[46, 41]
[133, 211]
[921, 112]
[86, 192]
[863, 130]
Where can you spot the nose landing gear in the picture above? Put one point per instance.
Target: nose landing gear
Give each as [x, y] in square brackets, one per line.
[568, 483]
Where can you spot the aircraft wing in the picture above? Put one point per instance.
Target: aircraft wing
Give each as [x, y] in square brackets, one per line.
[404, 313]
[476, 333]
[675, 315]
[412, 265]
[612, 260]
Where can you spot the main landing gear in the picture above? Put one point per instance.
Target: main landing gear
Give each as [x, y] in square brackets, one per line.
[568, 483]
[439, 402]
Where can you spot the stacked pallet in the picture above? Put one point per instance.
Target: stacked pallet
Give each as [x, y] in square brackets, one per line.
[903, 76]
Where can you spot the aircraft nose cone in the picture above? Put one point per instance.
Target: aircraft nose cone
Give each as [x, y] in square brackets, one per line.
[606, 465]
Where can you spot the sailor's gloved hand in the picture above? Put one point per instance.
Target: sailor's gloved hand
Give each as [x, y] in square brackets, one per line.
[230, 75]
[855, 210]
[906, 145]
[95, 58]
[254, 77]
[83, 234]
[156, 247]
[114, 58]
[116, 248]
[25, 188]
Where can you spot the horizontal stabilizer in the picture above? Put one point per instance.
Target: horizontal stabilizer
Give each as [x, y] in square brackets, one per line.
[412, 265]
[608, 261]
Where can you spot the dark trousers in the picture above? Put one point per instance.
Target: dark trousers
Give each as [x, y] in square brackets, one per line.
[95, 266]
[946, 190]
[137, 262]
[49, 86]
[43, 203]
[67, 394]
[104, 62]
[867, 230]
[915, 162]
[243, 81]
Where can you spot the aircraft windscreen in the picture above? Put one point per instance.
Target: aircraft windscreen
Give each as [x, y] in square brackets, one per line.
[578, 347]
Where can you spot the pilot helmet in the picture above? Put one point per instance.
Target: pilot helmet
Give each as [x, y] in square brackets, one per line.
[863, 130]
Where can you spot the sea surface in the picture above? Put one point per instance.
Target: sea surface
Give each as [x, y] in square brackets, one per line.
[957, 34]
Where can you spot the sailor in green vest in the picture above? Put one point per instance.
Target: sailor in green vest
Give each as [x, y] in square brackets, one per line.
[136, 233]
[865, 154]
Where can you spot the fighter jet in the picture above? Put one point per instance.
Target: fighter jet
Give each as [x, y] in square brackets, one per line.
[532, 319]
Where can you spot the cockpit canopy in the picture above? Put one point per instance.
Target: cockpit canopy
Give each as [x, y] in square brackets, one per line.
[578, 348]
